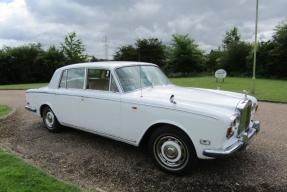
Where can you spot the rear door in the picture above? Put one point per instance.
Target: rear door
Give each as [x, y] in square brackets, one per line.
[67, 99]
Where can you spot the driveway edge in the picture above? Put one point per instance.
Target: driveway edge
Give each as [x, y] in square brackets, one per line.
[12, 112]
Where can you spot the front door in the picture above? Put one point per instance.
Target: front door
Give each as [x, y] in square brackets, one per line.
[101, 104]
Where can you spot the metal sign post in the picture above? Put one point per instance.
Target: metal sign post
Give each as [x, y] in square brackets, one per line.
[255, 49]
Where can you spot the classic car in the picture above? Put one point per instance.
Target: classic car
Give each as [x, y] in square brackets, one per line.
[134, 102]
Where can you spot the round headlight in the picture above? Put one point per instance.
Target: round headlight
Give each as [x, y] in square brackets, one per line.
[254, 107]
[236, 120]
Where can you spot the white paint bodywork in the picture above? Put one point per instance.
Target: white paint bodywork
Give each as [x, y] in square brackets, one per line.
[203, 114]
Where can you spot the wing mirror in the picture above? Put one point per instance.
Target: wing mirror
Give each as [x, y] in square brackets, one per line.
[172, 100]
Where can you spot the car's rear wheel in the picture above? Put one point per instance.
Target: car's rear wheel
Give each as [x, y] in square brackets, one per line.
[50, 120]
[172, 150]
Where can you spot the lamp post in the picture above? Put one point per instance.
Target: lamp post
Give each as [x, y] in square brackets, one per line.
[254, 52]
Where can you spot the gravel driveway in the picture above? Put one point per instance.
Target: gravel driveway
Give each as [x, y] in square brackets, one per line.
[93, 162]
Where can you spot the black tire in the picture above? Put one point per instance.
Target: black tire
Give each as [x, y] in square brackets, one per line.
[172, 150]
[50, 120]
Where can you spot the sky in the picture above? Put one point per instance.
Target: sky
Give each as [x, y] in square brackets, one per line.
[124, 21]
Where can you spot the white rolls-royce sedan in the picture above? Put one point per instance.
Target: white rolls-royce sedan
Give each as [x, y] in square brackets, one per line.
[134, 102]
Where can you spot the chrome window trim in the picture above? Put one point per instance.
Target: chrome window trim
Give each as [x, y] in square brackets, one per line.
[60, 80]
[117, 81]
[110, 80]
[85, 79]
[112, 76]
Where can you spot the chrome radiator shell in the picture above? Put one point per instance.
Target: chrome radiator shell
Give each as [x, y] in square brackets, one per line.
[245, 108]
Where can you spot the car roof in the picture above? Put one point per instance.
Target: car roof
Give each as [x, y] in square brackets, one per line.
[106, 64]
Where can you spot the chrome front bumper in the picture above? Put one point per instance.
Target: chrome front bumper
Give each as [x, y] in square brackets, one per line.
[30, 109]
[242, 142]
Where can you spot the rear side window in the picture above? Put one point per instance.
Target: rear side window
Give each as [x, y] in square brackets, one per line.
[75, 78]
[98, 79]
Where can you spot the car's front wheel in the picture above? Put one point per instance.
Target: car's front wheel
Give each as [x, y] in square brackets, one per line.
[50, 120]
[172, 150]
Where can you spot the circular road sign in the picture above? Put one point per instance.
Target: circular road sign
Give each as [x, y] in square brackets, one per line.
[220, 74]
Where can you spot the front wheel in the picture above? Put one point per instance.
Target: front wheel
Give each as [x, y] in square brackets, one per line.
[172, 150]
[50, 120]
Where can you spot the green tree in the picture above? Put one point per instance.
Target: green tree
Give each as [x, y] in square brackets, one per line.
[93, 59]
[279, 52]
[20, 64]
[50, 60]
[73, 49]
[272, 55]
[185, 56]
[234, 59]
[213, 60]
[264, 61]
[151, 50]
[231, 37]
[235, 53]
[126, 53]
[29, 63]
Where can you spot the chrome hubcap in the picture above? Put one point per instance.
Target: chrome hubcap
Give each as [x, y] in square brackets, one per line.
[171, 152]
[50, 118]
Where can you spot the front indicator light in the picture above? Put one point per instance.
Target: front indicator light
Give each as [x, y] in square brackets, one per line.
[256, 108]
[229, 132]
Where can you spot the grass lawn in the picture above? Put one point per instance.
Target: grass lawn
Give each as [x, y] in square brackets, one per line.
[266, 89]
[4, 110]
[23, 86]
[17, 175]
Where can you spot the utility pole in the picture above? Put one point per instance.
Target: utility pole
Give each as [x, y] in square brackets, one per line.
[255, 49]
[106, 48]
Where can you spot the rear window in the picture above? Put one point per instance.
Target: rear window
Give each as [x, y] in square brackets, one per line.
[73, 78]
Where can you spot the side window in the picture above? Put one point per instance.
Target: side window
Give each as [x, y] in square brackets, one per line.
[98, 79]
[75, 78]
[63, 79]
[113, 86]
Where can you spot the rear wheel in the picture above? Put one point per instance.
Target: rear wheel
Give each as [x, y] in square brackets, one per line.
[50, 120]
[172, 150]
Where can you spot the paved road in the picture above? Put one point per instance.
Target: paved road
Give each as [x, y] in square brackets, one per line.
[92, 161]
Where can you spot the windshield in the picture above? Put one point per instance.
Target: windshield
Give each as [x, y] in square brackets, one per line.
[134, 77]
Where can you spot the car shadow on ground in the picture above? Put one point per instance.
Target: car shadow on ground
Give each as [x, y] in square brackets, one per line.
[224, 174]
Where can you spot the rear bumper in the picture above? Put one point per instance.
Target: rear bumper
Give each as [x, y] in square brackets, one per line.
[30, 109]
[242, 142]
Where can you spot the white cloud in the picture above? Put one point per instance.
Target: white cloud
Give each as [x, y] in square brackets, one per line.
[47, 21]
[11, 9]
[145, 8]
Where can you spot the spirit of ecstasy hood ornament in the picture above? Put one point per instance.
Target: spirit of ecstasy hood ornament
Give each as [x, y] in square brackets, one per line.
[245, 94]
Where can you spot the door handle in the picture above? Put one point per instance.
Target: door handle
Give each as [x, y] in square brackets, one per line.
[134, 107]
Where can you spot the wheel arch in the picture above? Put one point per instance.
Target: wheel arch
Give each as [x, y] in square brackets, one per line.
[42, 108]
[145, 138]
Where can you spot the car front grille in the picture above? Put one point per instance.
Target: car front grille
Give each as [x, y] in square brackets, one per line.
[245, 117]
